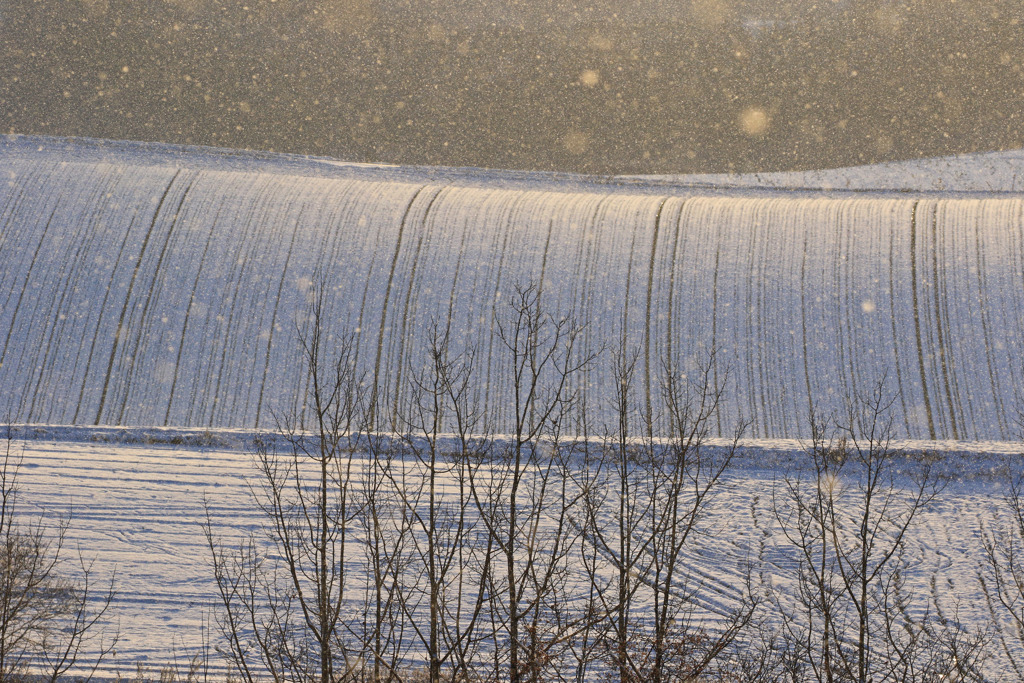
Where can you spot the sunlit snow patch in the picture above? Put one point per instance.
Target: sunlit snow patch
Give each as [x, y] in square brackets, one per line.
[984, 172]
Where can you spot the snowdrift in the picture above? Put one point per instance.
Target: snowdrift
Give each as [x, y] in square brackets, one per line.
[150, 285]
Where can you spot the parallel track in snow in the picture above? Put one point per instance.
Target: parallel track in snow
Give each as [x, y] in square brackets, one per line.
[150, 285]
[137, 511]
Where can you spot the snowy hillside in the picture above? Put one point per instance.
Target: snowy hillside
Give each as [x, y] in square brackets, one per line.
[152, 285]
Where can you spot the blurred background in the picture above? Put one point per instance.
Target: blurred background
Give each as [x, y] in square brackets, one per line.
[593, 86]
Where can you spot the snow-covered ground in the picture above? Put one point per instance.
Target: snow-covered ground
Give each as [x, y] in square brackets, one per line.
[982, 172]
[814, 283]
[160, 285]
[137, 508]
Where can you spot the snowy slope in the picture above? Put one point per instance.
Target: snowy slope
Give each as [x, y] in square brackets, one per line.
[155, 285]
[159, 287]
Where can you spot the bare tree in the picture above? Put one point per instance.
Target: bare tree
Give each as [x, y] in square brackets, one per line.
[78, 625]
[47, 617]
[524, 495]
[660, 491]
[619, 483]
[282, 611]
[1001, 573]
[849, 518]
[441, 599]
[685, 477]
[384, 530]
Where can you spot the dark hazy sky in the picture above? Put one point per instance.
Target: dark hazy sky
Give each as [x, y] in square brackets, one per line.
[649, 86]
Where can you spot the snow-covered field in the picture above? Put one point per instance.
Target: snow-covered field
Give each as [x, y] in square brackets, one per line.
[137, 509]
[157, 285]
[968, 173]
[149, 284]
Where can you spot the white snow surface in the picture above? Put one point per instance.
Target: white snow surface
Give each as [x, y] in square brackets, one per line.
[137, 508]
[981, 172]
[158, 285]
